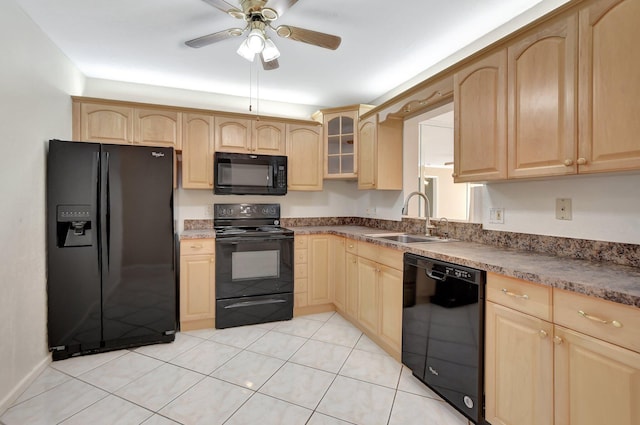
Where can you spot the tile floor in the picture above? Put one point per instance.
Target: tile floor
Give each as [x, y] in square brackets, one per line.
[315, 370]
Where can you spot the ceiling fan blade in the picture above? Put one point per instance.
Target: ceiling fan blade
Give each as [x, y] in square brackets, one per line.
[280, 6]
[321, 39]
[205, 40]
[268, 66]
[226, 8]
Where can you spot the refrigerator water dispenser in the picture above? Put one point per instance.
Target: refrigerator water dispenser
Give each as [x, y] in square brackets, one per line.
[74, 225]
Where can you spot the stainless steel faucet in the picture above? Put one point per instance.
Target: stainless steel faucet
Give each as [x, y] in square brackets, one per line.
[428, 227]
[445, 234]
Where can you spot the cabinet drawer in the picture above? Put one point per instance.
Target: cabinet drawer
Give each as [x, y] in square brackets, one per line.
[368, 250]
[301, 256]
[606, 320]
[300, 285]
[391, 258]
[527, 297]
[351, 246]
[301, 270]
[301, 242]
[197, 246]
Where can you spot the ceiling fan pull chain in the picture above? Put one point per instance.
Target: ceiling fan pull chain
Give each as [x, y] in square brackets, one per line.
[250, 86]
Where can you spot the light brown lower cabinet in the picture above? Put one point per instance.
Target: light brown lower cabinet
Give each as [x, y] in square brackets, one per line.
[197, 284]
[539, 372]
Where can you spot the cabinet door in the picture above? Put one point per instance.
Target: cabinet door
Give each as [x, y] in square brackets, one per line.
[367, 154]
[480, 120]
[518, 368]
[232, 135]
[338, 272]
[341, 144]
[352, 285]
[319, 270]
[609, 86]
[197, 152]
[106, 123]
[304, 150]
[158, 128]
[390, 289]
[269, 138]
[596, 382]
[197, 287]
[542, 137]
[368, 295]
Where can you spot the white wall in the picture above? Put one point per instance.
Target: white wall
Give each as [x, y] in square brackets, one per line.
[36, 80]
[605, 207]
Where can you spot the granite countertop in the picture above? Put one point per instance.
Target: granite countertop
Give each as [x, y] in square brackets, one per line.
[608, 281]
[604, 280]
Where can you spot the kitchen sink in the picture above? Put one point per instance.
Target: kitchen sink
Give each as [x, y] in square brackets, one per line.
[407, 238]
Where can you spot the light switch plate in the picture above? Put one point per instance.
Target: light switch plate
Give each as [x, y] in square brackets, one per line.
[496, 215]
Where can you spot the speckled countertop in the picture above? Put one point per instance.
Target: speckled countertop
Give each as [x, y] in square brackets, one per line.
[608, 281]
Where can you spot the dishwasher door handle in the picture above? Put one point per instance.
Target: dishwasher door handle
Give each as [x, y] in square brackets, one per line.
[436, 275]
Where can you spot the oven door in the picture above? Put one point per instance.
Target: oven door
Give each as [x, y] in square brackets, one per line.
[248, 266]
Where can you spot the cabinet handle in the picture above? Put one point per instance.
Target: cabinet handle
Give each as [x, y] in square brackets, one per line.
[568, 162]
[511, 294]
[581, 161]
[350, 245]
[557, 340]
[615, 323]
[196, 246]
[212, 260]
[543, 333]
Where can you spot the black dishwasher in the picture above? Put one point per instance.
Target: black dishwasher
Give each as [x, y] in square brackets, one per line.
[443, 330]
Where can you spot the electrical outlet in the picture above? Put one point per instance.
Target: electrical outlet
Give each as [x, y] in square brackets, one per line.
[496, 215]
[371, 211]
[563, 209]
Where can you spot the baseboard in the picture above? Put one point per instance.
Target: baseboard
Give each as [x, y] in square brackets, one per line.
[24, 383]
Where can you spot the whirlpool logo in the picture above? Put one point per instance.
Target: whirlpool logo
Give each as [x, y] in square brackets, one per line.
[157, 154]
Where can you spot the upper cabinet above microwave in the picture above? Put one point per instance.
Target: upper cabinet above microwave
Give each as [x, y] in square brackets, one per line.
[250, 136]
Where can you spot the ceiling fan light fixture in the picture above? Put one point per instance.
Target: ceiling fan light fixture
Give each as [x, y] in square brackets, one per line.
[270, 51]
[245, 51]
[256, 40]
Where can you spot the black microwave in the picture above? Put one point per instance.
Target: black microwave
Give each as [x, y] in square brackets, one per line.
[248, 174]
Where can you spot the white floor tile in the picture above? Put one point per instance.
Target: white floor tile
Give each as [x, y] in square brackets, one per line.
[336, 334]
[411, 409]
[201, 333]
[322, 317]
[359, 402]
[108, 411]
[276, 344]
[168, 351]
[299, 327]
[48, 379]
[159, 420]
[380, 369]
[240, 337]
[268, 325]
[321, 355]
[366, 344]
[210, 402]
[320, 419]
[265, 410]
[337, 319]
[297, 384]
[411, 384]
[206, 357]
[121, 371]
[76, 366]
[247, 369]
[55, 405]
[154, 390]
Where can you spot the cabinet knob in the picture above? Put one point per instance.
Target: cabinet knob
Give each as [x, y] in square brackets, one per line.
[581, 161]
[557, 340]
[568, 162]
[212, 260]
[543, 333]
[454, 175]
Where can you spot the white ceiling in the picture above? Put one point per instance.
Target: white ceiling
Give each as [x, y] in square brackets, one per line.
[384, 44]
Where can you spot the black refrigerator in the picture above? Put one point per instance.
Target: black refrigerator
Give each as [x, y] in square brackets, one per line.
[111, 280]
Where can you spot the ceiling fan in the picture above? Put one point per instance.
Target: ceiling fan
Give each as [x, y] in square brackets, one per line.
[259, 15]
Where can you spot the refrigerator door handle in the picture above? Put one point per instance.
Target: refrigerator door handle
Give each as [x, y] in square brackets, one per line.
[108, 209]
[96, 207]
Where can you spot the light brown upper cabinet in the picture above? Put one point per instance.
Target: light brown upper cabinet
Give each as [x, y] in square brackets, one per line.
[543, 69]
[197, 151]
[304, 149]
[380, 154]
[155, 127]
[480, 120]
[609, 86]
[250, 136]
[104, 123]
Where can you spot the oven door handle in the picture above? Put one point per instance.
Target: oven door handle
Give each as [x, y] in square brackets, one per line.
[439, 276]
[252, 303]
[237, 240]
